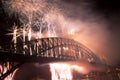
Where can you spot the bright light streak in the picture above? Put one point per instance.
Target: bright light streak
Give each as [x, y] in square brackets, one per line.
[29, 34]
[15, 35]
[24, 34]
[40, 33]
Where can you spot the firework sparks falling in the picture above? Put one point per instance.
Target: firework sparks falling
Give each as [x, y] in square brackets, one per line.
[33, 14]
[65, 70]
[62, 72]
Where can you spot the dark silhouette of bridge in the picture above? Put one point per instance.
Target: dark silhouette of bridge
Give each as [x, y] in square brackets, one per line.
[44, 50]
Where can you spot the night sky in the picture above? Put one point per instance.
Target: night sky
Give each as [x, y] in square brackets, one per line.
[106, 12]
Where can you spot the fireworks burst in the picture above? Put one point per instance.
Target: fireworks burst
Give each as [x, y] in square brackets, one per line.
[33, 14]
[15, 32]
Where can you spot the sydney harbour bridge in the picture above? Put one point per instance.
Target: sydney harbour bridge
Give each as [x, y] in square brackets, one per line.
[44, 50]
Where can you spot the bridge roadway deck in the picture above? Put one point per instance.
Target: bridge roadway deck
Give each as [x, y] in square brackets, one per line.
[12, 57]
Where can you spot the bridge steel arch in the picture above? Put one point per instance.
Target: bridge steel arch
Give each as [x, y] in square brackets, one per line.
[52, 49]
[56, 47]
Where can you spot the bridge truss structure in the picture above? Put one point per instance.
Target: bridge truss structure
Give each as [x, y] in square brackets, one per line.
[44, 50]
